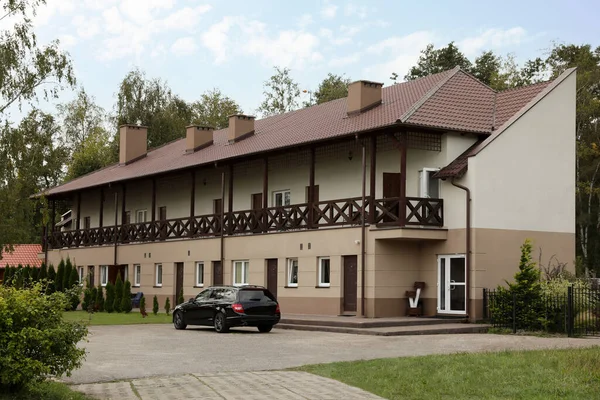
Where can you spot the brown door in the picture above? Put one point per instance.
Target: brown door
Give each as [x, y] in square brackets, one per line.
[217, 273]
[272, 276]
[162, 217]
[178, 279]
[112, 273]
[350, 283]
[391, 189]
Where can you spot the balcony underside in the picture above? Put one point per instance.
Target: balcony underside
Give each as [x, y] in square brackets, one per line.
[382, 213]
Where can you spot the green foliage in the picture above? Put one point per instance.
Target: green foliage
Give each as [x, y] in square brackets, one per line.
[213, 109]
[35, 341]
[18, 279]
[155, 305]
[331, 88]
[99, 300]
[126, 298]
[433, 61]
[75, 289]
[7, 276]
[67, 275]
[167, 305]
[109, 303]
[51, 280]
[43, 272]
[60, 276]
[143, 304]
[35, 274]
[87, 304]
[281, 93]
[26, 275]
[180, 298]
[118, 294]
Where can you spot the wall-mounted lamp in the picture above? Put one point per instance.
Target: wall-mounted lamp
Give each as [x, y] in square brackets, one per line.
[350, 155]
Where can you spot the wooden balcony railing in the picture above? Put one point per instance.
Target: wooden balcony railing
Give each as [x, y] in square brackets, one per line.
[344, 212]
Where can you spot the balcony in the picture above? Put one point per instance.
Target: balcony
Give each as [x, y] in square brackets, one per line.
[424, 212]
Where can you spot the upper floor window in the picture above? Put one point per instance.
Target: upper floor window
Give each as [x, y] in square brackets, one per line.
[428, 186]
[240, 273]
[140, 216]
[281, 198]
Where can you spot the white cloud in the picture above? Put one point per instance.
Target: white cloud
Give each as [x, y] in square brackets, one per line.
[355, 10]
[185, 18]
[67, 41]
[345, 60]
[329, 10]
[158, 51]
[492, 39]
[86, 27]
[305, 20]
[45, 12]
[336, 41]
[351, 30]
[402, 44]
[184, 46]
[216, 38]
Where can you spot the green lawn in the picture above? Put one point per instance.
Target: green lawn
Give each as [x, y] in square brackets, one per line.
[545, 374]
[45, 391]
[103, 318]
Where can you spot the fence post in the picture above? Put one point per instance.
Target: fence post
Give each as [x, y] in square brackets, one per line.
[514, 312]
[570, 311]
[485, 304]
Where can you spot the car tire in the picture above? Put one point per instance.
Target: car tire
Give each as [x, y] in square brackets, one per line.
[221, 323]
[178, 321]
[265, 328]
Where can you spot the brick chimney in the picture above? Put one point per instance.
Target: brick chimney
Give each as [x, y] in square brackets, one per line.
[198, 137]
[133, 143]
[363, 95]
[240, 127]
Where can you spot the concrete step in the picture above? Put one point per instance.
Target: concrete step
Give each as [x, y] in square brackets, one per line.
[437, 329]
[355, 322]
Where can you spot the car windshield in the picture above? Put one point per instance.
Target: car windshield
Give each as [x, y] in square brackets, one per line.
[262, 295]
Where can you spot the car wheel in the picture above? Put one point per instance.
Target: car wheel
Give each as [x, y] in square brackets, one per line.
[221, 323]
[178, 320]
[265, 328]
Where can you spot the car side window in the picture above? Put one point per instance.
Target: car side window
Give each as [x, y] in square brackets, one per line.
[204, 295]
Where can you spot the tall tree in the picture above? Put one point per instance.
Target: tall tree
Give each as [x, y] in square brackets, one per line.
[281, 93]
[81, 118]
[331, 88]
[434, 60]
[213, 109]
[94, 153]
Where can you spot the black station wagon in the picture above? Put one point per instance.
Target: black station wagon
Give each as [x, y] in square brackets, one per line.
[228, 306]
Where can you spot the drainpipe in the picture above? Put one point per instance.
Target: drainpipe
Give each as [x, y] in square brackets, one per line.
[116, 227]
[467, 245]
[222, 221]
[363, 232]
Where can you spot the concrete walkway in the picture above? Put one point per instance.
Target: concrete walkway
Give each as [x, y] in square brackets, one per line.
[274, 385]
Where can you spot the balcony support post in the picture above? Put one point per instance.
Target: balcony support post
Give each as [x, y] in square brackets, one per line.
[372, 177]
[53, 216]
[311, 189]
[101, 217]
[192, 202]
[403, 145]
[153, 210]
[78, 226]
[265, 193]
[230, 200]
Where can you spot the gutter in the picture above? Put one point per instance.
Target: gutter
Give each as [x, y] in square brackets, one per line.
[363, 233]
[467, 244]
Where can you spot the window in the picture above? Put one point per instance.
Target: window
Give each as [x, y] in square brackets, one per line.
[240, 273]
[324, 272]
[140, 216]
[81, 275]
[204, 295]
[428, 186]
[281, 198]
[91, 275]
[292, 274]
[158, 274]
[127, 217]
[103, 275]
[199, 274]
[87, 223]
[223, 294]
[137, 275]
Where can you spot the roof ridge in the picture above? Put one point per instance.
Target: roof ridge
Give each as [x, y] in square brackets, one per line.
[512, 89]
[404, 117]
[478, 81]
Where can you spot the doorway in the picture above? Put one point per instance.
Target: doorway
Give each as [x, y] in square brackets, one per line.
[217, 273]
[118, 270]
[452, 288]
[272, 276]
[350, 283]
[178, 279]
[391, 190]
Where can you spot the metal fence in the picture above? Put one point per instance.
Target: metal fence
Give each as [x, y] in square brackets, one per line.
[575, 313]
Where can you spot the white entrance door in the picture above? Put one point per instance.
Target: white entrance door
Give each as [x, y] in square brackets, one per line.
[452, 289]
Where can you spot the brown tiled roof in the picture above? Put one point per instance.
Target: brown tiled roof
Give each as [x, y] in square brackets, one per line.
[451, 100]
[512, 100]
[24, 254]
[458, 167]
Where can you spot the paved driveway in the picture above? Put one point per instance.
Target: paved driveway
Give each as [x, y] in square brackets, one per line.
[133, 352]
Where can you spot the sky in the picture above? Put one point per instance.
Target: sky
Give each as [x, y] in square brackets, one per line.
[197, 45]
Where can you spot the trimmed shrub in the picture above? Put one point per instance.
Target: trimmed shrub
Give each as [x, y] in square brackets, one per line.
[126, 298]
[51, 280]
[18, 279]
[35, 274]
[180, 297]
[36, 341]
[60, 276]
[8, 274]
[100, 299]
[67, 275]
[155, 306]
[143, 305]
[109, 304]
[167, 306]
[26, 275]
[87, 303]
[43, 272]
[75, 289]
[118, 294]
[93, 296]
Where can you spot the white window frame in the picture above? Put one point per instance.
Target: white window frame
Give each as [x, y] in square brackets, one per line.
[158, 267]
[199, 276]
[282, 193]
[320, 282]
[290, 266]
[424, 182]
[103, 275]
[144, 212]
[81, 275]
[137, 275]
[245, 264]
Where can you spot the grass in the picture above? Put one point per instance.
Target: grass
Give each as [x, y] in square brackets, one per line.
[45, 391]
[543, 374]
[103, 318]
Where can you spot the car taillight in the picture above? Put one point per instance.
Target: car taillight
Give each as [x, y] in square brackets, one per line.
[238, 308]
[277, 310]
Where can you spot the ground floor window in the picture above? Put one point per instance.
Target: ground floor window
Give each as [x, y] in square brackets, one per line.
[240, 273]
[91, 275]
[199, 274]
[324, 272]
[292, 272]
[81, 275]
[159, 274]
[103, 275]
[137, 274]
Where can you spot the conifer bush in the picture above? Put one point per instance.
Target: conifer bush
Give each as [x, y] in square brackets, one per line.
[118, 294]
[126, 299]
[155, 306]
[167, 306]
[109, 303]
